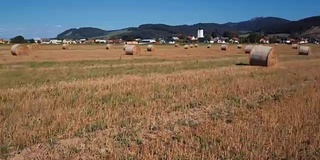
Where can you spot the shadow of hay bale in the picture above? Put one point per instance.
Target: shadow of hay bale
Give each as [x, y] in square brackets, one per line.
[242, 64]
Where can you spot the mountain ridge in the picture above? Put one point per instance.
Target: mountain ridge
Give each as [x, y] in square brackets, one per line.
[268, 25]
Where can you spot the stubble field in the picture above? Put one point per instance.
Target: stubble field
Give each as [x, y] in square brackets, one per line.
[93, 103]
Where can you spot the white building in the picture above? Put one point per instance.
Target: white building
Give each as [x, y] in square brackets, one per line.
[304, 41]
[147, 41]
[175, 38]
[82, 41]
[200, 33]
[55, 41]
[192, 38]
[69, 42]
[100, 41]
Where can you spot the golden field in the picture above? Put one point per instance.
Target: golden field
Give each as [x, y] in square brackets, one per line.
[93, 103]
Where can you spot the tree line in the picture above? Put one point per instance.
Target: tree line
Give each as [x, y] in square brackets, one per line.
[21, 39]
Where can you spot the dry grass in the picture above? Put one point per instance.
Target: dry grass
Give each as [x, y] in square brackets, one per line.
[173, 104]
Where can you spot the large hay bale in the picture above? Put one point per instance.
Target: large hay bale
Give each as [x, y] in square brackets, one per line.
[224, 47]
[208, 46]
[248, 49]
[109, 46]
[33, 47]
[176, 45]
[19, 50]
[196, 45]
[239, 46]
[186, 46]
[263, 56]
[65, 46]
[191, 45]
[151, 48]
[304, 50]
[295, 46]
[132, 50]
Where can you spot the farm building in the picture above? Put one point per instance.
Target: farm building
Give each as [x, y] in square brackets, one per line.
[264, 40]
[147, 41]
[100, 41]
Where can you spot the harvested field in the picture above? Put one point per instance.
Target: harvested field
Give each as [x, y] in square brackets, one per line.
[172, 104]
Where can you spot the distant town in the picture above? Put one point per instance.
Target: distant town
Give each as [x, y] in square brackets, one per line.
[228, 38]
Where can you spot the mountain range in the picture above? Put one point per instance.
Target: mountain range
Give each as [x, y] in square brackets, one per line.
[268, 25]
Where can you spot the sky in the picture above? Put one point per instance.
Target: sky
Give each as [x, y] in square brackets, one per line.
[46, 19]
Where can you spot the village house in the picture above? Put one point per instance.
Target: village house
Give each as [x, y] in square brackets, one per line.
[264, 40]
[115, 41]
[66, 41]
[100, 41]
[82, 41]
[192, 38]
[147, 41]
[234, 40]
[303, 41]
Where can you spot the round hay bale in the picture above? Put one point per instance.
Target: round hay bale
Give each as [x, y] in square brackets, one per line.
[196, 45]
[186, 46]
[176, 45]
[248, 49]
[208, 46]
[304, 50]
[132, 50]
[239, 46]
[295, 46]
[191, 45]
[109, 46]
[276, 44]
[19, 50]
[151, 48]
[33, 47]
[224, 47]
[263, 56]
[65, 46]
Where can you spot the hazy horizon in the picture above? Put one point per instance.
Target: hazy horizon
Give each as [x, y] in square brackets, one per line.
[38, 19]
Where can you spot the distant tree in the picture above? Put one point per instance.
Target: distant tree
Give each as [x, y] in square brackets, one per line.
[18, 39]
[227, 34]
[214, 34]
[31, 41]
[294, 36]
[273, 39]
[241, 39]
[182, 37]
[230, 34]
[207, 37]
[128, 38]
[253, 38]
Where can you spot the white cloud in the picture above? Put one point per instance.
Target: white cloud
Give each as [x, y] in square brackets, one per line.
[58, 26]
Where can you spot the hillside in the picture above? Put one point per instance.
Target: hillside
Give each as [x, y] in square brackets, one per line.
[258, 23]
[85, 32]
[312, 32]
[269, 25]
